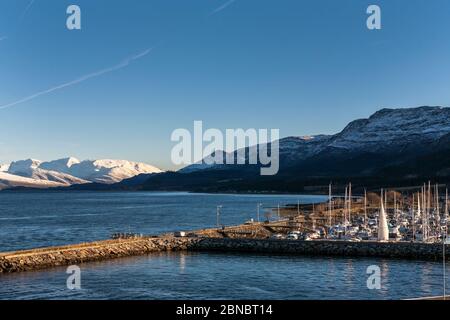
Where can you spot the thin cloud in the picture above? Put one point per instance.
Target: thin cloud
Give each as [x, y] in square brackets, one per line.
[28, 7]
[222, 7]
[22, 16]
[119, 66]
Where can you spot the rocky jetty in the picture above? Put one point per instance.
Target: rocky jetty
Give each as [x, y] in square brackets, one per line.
[104, 250]
[75, 254]
[400, 250]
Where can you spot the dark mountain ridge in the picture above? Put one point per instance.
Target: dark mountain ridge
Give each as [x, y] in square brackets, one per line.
[393, 147]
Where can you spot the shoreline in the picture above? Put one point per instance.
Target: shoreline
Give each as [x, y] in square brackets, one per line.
[61, 190]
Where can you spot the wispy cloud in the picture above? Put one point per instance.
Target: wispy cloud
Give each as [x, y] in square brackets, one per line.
[22, 16]
[222, 7]
[116, 67]
[27, 8]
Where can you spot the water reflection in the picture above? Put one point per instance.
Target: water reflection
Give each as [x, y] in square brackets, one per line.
[228, 276]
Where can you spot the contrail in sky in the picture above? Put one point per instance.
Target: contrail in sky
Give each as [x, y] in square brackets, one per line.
[22, 16]
[121, 65]
[222, 7]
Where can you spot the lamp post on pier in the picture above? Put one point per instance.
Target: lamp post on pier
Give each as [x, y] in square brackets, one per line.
[259, 205]
[218, 216]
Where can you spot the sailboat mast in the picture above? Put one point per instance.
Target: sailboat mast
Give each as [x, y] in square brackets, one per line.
[444, 240]
[428, 209]
[350, 202]
[438, 214]
[345, 205]
[381, 200]
[395, 207]
[446, 204]
[425, 213]
[329, 205]
[445, 218]
[413, 220]
[365, 207]
[422, 211]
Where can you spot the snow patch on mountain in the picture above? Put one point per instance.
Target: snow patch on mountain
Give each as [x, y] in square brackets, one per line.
[24, 167]
[384, 131]
[390, 127]
[110, 171]
[61, 165]
[69, 171]
[37, 170]
[8, 180]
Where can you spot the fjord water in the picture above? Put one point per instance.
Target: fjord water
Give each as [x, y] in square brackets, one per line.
[29, 220]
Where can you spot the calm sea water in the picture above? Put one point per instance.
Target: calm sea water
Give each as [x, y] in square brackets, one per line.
[41, 219]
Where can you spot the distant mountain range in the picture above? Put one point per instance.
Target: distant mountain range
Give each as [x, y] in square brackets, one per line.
[69, 171]
[397, 147]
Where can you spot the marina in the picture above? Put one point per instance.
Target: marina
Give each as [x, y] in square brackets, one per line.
[418, 215]
[309, 261]
[351, 226]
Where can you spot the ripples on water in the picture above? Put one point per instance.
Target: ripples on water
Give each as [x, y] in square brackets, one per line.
[228, 276]
[28, 220]
[41, 219]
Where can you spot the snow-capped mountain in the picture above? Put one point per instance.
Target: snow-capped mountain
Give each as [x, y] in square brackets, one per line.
[110, 171]
[393, 127]
[8, 180]
[396, 146]
[69, 171]
[60, 165]
[393, 146]
[206, 163]
[290, 148]
[36, 170]
[386, 131]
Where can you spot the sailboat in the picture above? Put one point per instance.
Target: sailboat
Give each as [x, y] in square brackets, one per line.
[329, 204]
[419, 234]
[346, 223]
[350, 203]
[437, 214]
[383, 229]
[413, 220]
[445, 220]
[365, 208]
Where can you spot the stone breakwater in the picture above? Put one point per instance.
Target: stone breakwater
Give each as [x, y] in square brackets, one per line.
[75, 254]
[104, 250]
[402, 250]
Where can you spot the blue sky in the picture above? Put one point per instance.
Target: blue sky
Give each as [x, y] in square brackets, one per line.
[305, 67]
